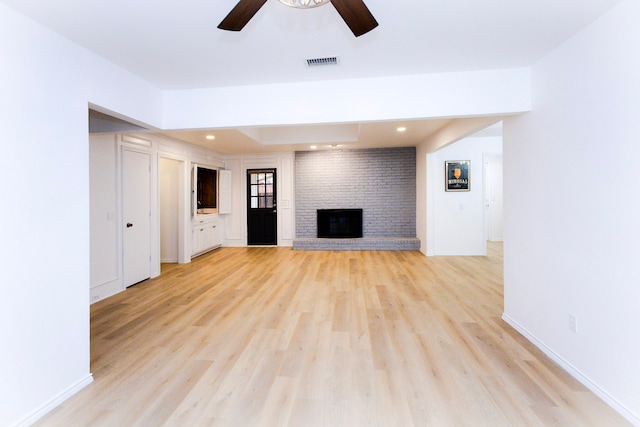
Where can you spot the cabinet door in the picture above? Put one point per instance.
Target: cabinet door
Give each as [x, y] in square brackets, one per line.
[197, 239]
[211, 236]
[205, 236]
[216, 238]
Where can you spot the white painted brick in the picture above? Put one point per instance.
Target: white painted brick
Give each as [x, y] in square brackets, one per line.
[380, 181]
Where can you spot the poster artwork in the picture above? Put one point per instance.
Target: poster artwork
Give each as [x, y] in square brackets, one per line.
[457, 175]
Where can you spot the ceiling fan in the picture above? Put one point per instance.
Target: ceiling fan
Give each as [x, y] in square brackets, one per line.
[354, 13]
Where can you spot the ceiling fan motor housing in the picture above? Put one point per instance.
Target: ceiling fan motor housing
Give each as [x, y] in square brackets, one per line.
[304, 3]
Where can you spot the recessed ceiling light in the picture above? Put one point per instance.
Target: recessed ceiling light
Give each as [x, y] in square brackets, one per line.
[313, 147]
[210, 137]
[401, 129]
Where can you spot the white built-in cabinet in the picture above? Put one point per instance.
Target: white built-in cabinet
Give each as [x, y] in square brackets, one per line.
[205, 234]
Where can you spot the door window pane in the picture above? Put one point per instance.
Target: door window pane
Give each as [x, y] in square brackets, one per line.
[261, 190]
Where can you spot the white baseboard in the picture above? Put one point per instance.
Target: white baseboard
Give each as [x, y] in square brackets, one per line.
[583, 379]
[105, 290]
[55, 402]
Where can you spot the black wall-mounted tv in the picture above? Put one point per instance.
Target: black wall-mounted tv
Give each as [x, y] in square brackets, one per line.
[339, 223]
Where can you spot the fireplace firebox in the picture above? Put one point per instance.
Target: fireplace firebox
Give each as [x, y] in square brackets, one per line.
[339, 223]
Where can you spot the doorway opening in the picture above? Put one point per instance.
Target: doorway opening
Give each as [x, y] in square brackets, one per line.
[172, 217]
[493, 198]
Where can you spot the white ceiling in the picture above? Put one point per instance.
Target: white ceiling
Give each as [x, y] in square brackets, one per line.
[176, 45]
[302, 138]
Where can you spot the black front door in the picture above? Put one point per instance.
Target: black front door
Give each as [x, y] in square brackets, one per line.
[261, 207]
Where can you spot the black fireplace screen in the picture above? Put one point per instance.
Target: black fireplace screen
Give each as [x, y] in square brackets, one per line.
[340, 223]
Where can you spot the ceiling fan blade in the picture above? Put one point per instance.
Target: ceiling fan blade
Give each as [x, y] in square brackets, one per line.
[356, 15]
[241, 14]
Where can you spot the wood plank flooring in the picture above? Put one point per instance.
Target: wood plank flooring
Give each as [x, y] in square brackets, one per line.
[276, 337]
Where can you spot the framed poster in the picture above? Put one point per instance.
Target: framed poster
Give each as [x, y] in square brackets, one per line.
[456, 175]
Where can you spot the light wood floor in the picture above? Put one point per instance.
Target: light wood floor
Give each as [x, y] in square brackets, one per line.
[274, 337]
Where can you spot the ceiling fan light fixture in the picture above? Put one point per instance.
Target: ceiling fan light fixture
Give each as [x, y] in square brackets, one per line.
[353, 12]
[304, 4]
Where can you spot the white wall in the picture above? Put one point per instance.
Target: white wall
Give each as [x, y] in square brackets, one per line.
[105, 250]
[46, 85]
[44, 226]
[236, 222]
[572, 205]
[465, 94]
[456, 223]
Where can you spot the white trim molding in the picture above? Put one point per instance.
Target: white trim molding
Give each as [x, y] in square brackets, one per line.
[582, 378]
[55, 402]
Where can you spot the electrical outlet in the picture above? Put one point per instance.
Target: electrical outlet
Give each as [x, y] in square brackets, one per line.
[573, 323]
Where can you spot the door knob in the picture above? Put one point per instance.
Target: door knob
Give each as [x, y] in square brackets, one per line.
[129, 225]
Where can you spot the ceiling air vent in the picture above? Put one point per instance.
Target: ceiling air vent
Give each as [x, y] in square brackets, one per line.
[321, 62]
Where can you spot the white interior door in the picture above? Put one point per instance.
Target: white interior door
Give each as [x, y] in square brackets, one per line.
[494, 202]
[136, 202]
